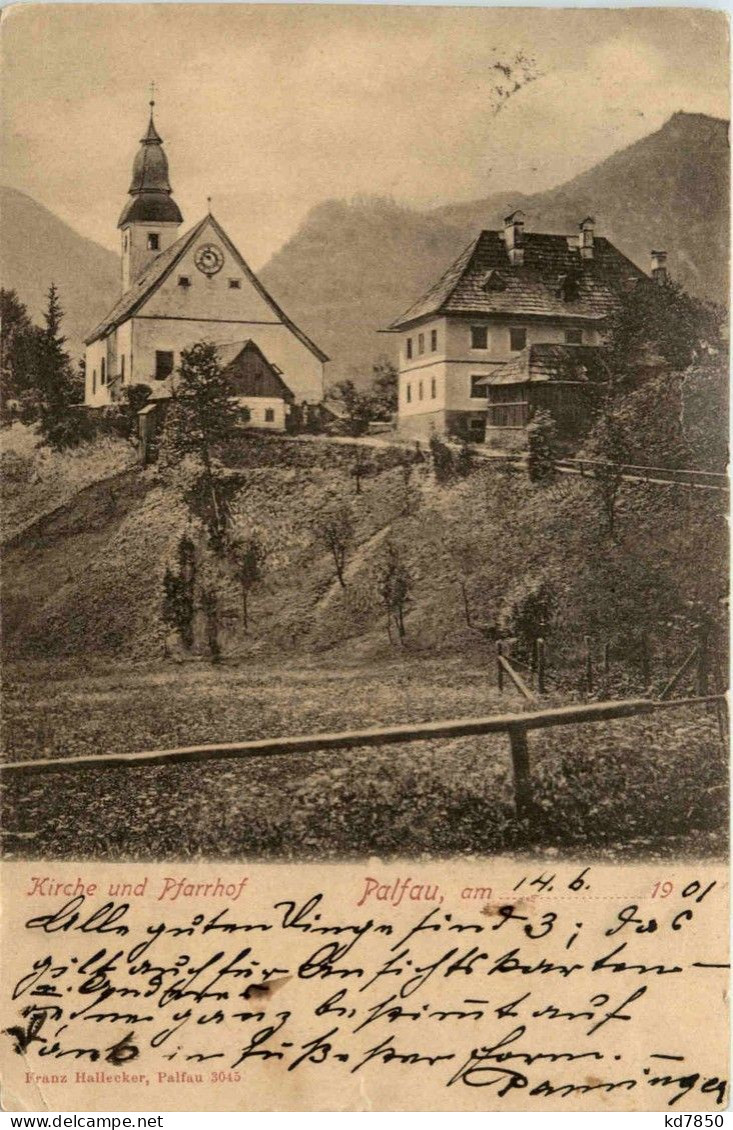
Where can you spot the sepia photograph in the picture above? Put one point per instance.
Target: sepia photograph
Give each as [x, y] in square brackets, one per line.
[364, 558]
[364, 432]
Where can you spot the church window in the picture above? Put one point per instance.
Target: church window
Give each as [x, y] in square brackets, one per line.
[408, 390]
[153, 241]
[122, 368]
[184, 280]
[270, 415]
[235, 284]
[103, 377]
[124, 243]
[94, 381]
[163, 364]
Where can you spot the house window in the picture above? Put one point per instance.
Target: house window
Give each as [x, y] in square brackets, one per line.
[270, 415]
[421, 343]
[433, 392]
[94, 381]
[408, 348]
[434, 340]
[163, 364]
[184, 280]
[479, 391]
[153, 241]
[479, 337]
[517, 338]
[408, 392]
[419, 391]
[235, 284]
[103, 377]
[122, 368]
[573, 337]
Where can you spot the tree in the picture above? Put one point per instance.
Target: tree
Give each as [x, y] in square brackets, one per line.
[357, 405]
[248, 556]
[19, 342]
[178, 589]
[210, 607]
[361, 467]
[610, 445]
[542, 453]
[62, 423]
[384, 389]
[201, 415]
[395, 586]
[664, 324]
[334, 528]
[443, 462]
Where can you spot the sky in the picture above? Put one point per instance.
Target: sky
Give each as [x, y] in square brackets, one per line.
[272, 109]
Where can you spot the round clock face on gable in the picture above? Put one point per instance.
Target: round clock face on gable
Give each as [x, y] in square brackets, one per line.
[209, 259]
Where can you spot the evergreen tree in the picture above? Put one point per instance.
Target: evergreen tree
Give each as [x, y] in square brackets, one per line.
[59, 393]
[19, 340]
[201, 415]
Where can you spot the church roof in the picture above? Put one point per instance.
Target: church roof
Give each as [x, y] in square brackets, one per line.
[150, 187]
[482, 281]
[161, 267]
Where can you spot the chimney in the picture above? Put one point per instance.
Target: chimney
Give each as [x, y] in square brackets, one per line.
[514, 238]
[659, 267]
[585, 240]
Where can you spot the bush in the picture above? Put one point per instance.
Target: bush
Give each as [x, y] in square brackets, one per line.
[529, 614]
[542, 450]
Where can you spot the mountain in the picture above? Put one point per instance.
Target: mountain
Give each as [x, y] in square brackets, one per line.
[354, 266]
[37, 248]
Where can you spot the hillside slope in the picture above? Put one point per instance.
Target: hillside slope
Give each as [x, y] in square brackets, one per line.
[353, 267]
[37, 248]
[76, 587]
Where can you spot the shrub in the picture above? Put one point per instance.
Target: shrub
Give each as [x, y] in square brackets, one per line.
[541, 445]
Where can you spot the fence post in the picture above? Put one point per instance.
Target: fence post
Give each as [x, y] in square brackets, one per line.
[520, 765]
[541, 665]
[588, 665]
[646, 673]
[499, 668]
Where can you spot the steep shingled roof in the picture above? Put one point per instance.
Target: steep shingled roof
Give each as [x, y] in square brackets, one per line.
[553, 362]
[162, 266]
[482, 280]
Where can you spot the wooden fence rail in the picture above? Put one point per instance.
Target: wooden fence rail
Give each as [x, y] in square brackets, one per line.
[515, 725]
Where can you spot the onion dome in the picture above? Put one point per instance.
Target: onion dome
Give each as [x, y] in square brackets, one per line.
[150, 188]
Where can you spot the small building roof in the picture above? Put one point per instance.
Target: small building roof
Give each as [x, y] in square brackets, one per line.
[483, 281]
[550, 362]
[161, 267]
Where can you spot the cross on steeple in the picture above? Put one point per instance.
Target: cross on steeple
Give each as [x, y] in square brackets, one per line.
[152, 93]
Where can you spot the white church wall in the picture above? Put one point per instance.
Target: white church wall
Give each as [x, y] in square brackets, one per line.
[301, 370]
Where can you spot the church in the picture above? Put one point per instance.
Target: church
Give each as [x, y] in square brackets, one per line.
[181, 289]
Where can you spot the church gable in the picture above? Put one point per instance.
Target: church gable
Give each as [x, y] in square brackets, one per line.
[210, 281]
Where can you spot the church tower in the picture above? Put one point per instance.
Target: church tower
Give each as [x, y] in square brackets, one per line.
[150, 220]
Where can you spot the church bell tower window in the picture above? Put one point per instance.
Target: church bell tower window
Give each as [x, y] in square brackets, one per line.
[153, 241]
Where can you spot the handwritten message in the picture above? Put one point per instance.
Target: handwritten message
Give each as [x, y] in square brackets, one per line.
[493, 986]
